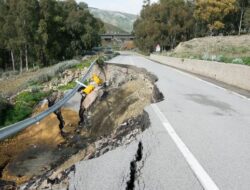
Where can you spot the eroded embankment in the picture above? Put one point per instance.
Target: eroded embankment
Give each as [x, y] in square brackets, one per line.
[40, 157]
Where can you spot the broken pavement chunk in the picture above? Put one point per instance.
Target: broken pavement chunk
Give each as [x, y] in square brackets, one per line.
[90, 98]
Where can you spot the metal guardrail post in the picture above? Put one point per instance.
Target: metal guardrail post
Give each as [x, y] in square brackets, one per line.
[17, 127]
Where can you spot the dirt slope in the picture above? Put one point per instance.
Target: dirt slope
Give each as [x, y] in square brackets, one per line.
[113, 119]
[217, 48]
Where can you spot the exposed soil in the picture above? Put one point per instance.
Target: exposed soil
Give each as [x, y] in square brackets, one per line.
[228, 46]
[40, 157]
[33, 151]
[16, 83]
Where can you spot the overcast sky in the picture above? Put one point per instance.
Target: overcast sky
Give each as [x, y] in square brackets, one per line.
[128, 6]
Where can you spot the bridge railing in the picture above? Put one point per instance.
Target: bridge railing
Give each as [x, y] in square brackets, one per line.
[17, 127]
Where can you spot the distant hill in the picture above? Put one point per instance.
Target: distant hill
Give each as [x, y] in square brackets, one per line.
[111, 29]
[124, 21]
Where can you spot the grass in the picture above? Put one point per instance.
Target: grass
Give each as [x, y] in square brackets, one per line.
[22, 109]
[234, 60]
[26, 101]
[227, 49]
[83, 64]
[68, 86]
[220, 58]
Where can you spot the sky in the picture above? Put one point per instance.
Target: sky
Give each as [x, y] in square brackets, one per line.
[127, 6]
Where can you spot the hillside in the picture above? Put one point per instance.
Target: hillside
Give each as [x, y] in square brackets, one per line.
[229, 49]
[124, 21]
[113, 29]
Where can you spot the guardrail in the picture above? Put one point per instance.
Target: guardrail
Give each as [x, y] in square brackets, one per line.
[17, 127]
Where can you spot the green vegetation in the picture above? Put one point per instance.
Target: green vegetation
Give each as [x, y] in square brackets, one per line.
[228, 49]
[82, 65]
[166, 23]
[213, 12]
[85, 63]
[246, 60]
[218, 58]
[44, 32]
[68, 86]
[23, 107]
[170, 22]
[225, 59]
[46, 74]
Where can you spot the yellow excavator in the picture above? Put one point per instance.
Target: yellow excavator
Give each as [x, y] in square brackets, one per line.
[89, 88]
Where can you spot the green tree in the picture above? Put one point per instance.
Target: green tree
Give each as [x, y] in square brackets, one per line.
[242, 6]
[3, 11]
[213, 12]
[246, 20]
[9, 32]
[26, 25]
[166, 23]
[45, 31]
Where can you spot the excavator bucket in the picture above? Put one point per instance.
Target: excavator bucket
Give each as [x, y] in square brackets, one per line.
[89, 89]
[97, 79]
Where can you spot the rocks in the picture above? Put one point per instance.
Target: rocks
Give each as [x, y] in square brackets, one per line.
[65, 78]
[114, 118]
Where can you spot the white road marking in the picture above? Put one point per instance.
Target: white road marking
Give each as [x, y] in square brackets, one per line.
[211, 84]
[201, 174]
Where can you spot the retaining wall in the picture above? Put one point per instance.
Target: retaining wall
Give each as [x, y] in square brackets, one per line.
[232, 74]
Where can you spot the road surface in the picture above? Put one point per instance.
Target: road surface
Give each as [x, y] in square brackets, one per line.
[199, 139]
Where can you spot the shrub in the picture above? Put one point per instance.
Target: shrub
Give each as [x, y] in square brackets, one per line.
[246, 60]
[23, 107]
[237, 61]
[220, 58]
[68, 86]
[100, 61]
[205, 56]
[85, 63]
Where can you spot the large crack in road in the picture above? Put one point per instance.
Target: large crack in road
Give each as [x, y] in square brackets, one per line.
[40, 157]
[133, 167]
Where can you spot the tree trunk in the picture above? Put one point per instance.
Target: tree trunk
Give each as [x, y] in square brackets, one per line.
[241, 18]
[13, 60]
[21, 61]
[44, 61]
[174, 41]
[26, 58]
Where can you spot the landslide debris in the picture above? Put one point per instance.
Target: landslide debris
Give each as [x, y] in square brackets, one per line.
[40, 157]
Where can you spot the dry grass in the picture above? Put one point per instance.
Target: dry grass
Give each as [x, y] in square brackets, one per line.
[13, 84]
[219, 48]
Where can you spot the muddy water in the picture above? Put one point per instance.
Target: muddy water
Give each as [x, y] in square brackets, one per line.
[41, 148]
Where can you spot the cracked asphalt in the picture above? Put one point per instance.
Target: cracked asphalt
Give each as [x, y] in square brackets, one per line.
[213, 123]
[162, 165]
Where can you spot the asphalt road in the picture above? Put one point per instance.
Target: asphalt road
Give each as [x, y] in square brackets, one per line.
[199, 139]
